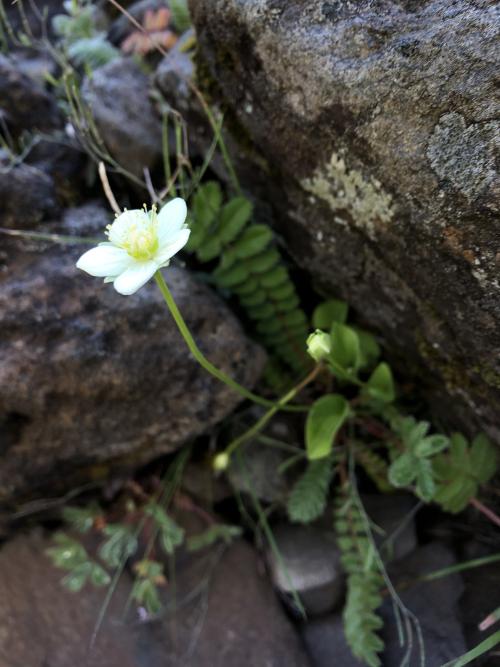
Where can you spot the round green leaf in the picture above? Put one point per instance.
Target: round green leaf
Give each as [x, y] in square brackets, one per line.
[324, 420]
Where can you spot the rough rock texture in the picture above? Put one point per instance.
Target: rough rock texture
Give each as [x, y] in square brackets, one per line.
[41, 624]
[88, 376]
[27, 194]
[118, 98]
[379, 123]
[23, 102]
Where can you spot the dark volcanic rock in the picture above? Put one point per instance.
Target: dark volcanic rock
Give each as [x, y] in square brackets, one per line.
[25, 104]
[42, 624]
[27, 194]
[379, 122]
[118, 97]
[88, 376]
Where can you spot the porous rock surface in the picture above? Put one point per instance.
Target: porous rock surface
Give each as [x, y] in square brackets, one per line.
[378, 121]
[89, 377]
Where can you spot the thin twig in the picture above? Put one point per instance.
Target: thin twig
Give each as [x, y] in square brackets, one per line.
[107, 188]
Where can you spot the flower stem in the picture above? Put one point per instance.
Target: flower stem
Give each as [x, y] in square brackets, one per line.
[202, 360]
[279, 405]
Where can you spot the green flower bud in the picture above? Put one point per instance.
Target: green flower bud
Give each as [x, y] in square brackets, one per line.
[220, 462]
[319, 345]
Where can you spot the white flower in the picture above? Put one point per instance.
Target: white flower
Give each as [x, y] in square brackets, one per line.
[140, 243]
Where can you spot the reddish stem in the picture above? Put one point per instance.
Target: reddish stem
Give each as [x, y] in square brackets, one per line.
[490, 514]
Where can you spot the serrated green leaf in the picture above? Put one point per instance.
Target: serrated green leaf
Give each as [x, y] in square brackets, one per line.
[430, 445]
[285, 305]
[426, 486]
[209, 250]
[206, 205]
[329, 312]
[255, 299]
[265, 261]
[309, 495]
[233, 218]
[282, 291]
[233, 276]
[253, 241]
[380, 385]
[75, 580]
[269, 326]
[261, 312]
[415, 434]
[326, 416]
[278, 276]
[247, 288]
[459, 451]
[454, 496]
[294, 318]
[403, 470]
[483, 458]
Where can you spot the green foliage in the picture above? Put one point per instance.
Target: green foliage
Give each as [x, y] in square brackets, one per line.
[380, 385]
[329, 312]
[170, 534]
[69, 554]
[412, 464]
[324, 420]
[216, 532]
[120, 545]
[460, 471]
[145, 589]
[309, 495]
[249, 266]
[85, 45]
[364, 581]
[180, 14]
[81, 518]
[375, 467]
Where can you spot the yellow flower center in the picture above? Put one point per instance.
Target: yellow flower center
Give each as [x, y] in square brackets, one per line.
[141, 241]
[136, 232]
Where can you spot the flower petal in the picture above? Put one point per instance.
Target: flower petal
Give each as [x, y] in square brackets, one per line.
[105, 260]
[171, 218]
[172, 246]
[135, 277]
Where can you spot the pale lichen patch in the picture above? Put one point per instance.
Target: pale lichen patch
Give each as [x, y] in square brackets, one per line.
[347, 190]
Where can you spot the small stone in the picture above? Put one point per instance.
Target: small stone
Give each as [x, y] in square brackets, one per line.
[309, 564]
[326, 644]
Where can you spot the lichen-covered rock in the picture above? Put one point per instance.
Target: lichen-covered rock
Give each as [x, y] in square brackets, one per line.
[379, 123]
[118, 98]
[88, 376]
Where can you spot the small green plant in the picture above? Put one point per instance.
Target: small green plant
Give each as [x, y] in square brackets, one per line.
[250, 266]
[79, 36]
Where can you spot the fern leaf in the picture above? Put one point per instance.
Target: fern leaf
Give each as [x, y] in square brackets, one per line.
[309, 496]
[364, 581]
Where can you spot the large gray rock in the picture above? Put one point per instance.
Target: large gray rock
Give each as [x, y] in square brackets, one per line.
[379, 124]
[24, 103]
[206, 626]
[89, 377]
[118, 98]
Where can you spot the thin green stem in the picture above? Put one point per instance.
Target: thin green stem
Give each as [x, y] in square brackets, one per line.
[279, 405]
[201, 359]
